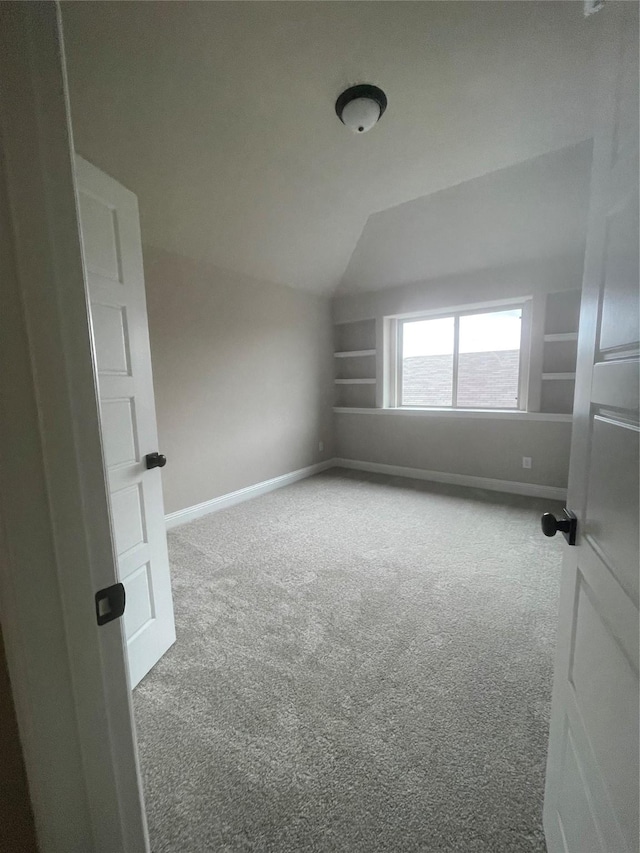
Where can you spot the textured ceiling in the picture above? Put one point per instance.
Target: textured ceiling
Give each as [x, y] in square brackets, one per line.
[220, 116]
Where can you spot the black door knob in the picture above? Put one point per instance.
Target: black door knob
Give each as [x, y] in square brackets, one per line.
[566, 525]
[158, 460]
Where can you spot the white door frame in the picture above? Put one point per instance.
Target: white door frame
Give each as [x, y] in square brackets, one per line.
[74, 712]
[55, 533]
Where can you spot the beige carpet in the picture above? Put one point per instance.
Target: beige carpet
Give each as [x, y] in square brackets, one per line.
[363, 664]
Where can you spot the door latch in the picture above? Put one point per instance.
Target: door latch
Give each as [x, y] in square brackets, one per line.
[155, 460]
[110, 603]
[567, 525]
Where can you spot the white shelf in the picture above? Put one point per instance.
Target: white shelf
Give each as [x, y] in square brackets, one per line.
[558, 376]
[356, 353]
[489, 414]
[354, 322]
[355, 381]
[562, 336]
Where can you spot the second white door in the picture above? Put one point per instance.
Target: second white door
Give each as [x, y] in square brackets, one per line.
[113, 259]
[592, 790]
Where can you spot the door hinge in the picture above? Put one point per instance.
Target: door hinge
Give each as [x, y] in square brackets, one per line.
[110, 603]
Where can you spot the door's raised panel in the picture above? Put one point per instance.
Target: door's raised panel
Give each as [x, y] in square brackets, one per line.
[110, 333]
[612, 507]
[575, 812]
[618, 609]
[128, 518]
[620, 301]
[616, 385]
[606, 692]
[139, 609]
[119, 431]
[99, 237]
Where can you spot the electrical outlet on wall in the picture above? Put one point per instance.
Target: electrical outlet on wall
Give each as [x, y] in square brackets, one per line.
[526, 462]
[320, 446]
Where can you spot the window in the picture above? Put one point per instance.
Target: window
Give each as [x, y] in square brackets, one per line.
[467, 359]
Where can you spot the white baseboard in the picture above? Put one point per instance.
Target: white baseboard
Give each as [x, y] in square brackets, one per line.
[190, 513]
[182, 516]
[509, 486]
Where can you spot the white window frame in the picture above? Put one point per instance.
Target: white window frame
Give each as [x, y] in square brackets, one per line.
[395, 327]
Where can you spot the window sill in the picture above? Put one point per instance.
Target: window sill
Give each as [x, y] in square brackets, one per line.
[495, 414]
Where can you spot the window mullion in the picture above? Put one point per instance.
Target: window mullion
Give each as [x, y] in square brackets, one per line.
[456, 344]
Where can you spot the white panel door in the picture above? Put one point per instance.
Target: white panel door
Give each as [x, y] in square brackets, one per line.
[592, 792]
[113, 258]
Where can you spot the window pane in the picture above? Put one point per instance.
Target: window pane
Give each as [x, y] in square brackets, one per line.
[427, 362]
[489, 360]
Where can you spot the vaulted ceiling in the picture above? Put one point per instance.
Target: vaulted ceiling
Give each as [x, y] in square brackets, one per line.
[534, 210]
[220, 115]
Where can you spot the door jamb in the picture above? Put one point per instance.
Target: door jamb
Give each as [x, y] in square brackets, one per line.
[56, 543]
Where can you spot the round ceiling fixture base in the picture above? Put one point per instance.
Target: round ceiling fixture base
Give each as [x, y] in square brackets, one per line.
[361, 107]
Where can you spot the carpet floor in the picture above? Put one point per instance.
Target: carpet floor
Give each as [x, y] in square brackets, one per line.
[363, 664]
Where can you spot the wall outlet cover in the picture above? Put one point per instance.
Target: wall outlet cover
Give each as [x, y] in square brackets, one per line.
[320, 446]
[526, 462]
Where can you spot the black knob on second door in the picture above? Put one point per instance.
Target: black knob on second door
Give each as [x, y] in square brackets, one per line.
[155, 460]
[566, 525]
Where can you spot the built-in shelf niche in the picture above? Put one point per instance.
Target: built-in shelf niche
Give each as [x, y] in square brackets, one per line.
[559, 357]
[562, 312]
[355, 336]
[355, 364]
[560, 351]
[355, 396]
[361, 368]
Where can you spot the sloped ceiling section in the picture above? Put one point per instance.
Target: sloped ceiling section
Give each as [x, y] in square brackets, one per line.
[220, 116]
[531, 211]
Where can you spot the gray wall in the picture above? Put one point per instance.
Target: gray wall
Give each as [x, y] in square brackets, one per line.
[477, 447]
[529, 278]
[487, 448]
[242, 373]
